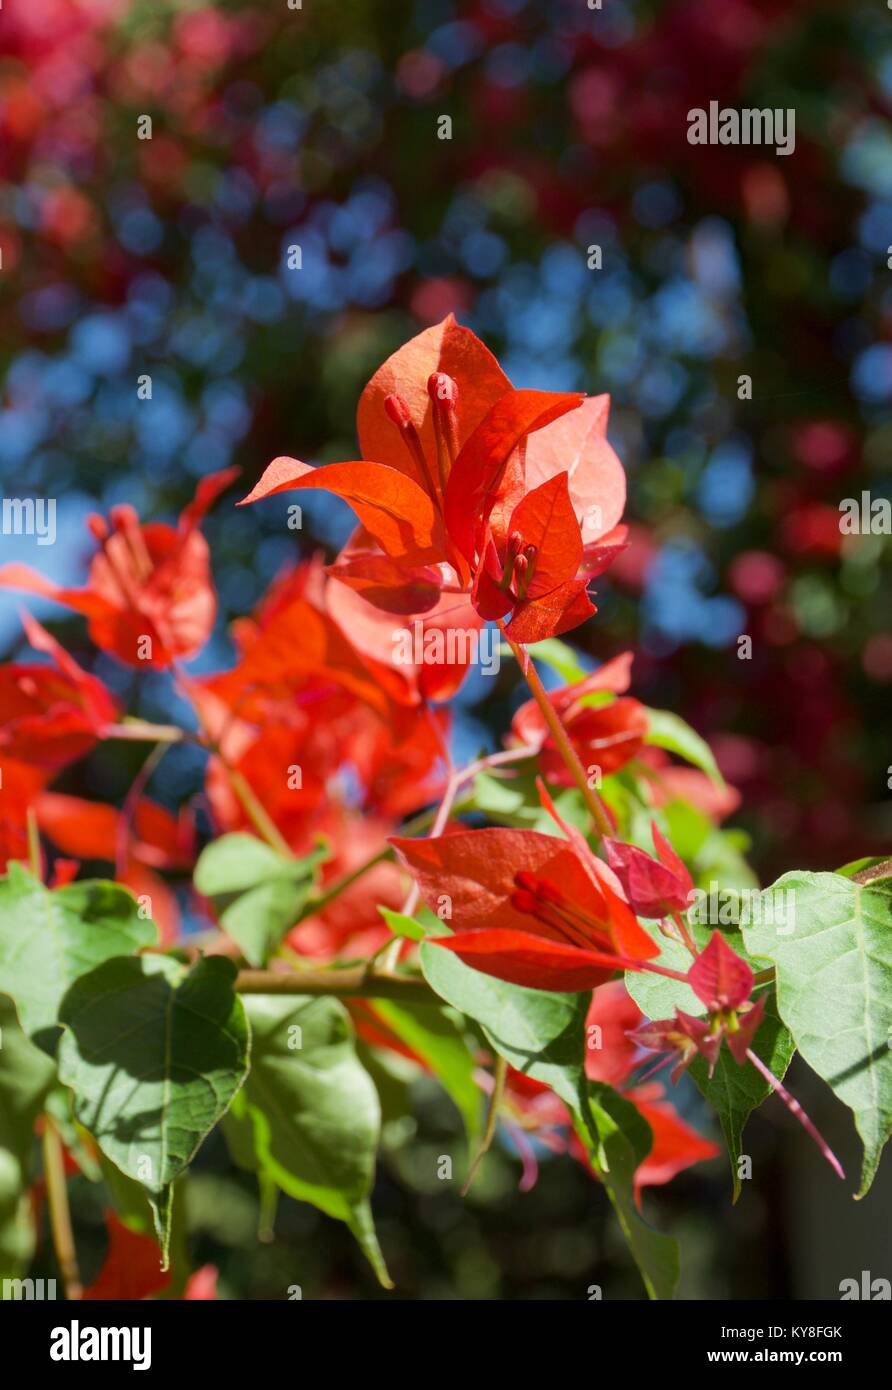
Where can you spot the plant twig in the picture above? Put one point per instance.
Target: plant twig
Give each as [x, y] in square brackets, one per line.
[33, 842]
[796, 1109]
[457, 779]
[141, 731]
[131, 802]
[60, 1212]
[351, 982]
[499, 1078]
[561, 738]
[256, 812]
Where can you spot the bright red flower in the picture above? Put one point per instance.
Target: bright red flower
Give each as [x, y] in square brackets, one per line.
[154, 840]
[91, 829]
[149, 599]
[528, 908]
[454, 497]
[654, 887]
[722, 981]
[132, 1268]
[53, 714]
[606, 736]
[21, 786]
[612, 1057]
[294, 650]
[304, 698]
[719, 977]
[676, 1145]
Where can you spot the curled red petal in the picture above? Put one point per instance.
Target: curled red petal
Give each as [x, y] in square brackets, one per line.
[523, 959]
[392, 507]
[719, 977]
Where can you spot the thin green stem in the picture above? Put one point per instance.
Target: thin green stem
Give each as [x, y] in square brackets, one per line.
[255, 810]
[561, 738]
[59, 1210]
[499, 1078]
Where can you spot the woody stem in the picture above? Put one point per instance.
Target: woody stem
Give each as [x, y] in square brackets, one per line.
[352, 982]
[595, 805]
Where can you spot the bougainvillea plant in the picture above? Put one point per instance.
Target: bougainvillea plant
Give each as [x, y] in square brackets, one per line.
[540, 929]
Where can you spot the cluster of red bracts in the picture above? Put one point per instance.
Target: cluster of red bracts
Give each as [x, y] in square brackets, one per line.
[566, 921]
[149, 599]
[506, 500]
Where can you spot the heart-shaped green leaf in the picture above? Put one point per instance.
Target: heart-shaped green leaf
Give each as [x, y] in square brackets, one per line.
[313, 1111]
[833, 959]
[154, 1053]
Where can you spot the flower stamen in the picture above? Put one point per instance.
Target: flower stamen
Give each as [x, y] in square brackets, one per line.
[398, 412]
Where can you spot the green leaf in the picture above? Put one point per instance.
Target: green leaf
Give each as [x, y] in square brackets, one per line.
[256, 892]
[515, 800]
[540, 1034]
[154, 1053]
[401, 925]
[26, 1076]
[625, 1139]
[436, 1037]
[834, 992]
[543, 1035]
[313, 1111]
[857, 866]
[668, 730]
[735, 1092]
[49, 938]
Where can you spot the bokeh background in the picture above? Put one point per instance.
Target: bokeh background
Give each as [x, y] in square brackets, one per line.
[318, 127]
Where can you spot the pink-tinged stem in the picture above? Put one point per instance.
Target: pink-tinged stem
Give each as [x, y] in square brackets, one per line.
[649, 965]
[796, 1109]
[456, 781]
[131, 803]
